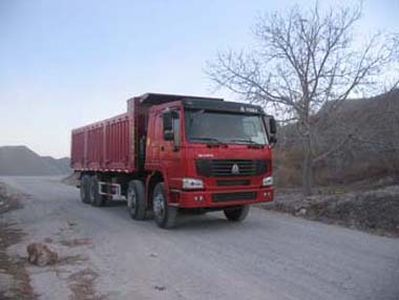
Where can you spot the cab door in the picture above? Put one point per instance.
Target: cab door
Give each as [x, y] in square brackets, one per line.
[154, 142]
[170, 154]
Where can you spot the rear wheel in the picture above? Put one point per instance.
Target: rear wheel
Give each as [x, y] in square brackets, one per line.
[164, 215]
[236, 214]
[96, 199]
[136, 200]
[85, 189]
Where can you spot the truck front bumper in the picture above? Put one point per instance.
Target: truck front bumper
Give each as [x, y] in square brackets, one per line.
[215, 199]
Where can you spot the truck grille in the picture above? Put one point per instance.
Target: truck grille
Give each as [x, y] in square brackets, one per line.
[233, 196]
[233, 182]
[228, 168]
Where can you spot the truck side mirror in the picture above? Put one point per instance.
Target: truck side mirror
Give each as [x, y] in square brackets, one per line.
[273, 126]
[167, 121]
[270, 122]
[171, 127]
[168, 126]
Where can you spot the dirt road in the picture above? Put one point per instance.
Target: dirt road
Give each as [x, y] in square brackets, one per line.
[269, 256]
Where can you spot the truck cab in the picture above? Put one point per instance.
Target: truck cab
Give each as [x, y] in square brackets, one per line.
[212, 155]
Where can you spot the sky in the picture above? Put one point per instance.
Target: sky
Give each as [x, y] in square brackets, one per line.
[66, 63]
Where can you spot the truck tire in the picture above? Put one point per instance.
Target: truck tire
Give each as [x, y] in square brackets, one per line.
[136, 203]
[236, 214]
[164, 215]
[95, 198]
[85, 189]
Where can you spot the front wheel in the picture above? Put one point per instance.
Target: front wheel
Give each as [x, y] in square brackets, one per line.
[236, 214]
[164, 215]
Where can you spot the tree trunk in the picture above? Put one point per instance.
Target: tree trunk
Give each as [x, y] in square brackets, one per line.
[307, 168]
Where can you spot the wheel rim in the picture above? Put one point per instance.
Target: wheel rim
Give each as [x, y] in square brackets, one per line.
[132, 200]
[159, 206]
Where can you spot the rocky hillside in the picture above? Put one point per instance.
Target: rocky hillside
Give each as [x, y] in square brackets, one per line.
[20, 160]
[367, 132]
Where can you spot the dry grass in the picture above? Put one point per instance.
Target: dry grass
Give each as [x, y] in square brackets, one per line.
[13, 266]
[76, 242]
[82, 285]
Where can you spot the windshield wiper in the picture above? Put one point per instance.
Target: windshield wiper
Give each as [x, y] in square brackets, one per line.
[215, 140]
[249, 142]
[246, 141]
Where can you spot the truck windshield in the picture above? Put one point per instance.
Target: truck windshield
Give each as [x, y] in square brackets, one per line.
[221, 127]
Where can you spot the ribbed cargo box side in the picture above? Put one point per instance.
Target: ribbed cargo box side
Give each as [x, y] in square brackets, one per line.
[95, 147]
[117, 141]
[105, 146]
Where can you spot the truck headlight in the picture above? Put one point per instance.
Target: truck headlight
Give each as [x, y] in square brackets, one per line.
[192, 184]
[267, 181]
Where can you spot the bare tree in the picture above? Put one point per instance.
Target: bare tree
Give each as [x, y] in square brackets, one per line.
[303, 61]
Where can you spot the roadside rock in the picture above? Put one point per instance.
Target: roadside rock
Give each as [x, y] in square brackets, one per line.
[301, 212]
[40, 255]
[159, 287]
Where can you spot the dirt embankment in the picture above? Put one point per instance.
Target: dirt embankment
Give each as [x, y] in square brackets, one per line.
[375, 211]
[22, 161]
[14, 278]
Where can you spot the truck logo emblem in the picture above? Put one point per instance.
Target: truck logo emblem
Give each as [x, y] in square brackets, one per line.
[235, 169]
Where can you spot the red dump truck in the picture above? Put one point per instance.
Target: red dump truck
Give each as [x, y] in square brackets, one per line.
[171, 154]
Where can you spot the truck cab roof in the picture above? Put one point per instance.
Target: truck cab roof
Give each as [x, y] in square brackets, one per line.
[156, 98]
[199, 102]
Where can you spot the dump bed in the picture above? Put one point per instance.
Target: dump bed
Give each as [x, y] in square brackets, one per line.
[104, 146]
[110, 145]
